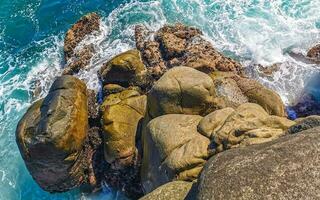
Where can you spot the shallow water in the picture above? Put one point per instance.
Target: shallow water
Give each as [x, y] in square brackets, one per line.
[31, 42]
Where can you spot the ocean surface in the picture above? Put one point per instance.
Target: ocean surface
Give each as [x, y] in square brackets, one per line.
[31, 42]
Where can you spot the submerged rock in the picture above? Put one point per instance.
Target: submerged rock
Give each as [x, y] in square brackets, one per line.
[309, 101]
[176, 190]
[173, 150]
[179, 45]
[77, 57]
[314, 53]
[52, 133]
[286, 168]
[121, 114]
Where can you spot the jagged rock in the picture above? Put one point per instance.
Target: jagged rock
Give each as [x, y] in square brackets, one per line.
[180, 45]
[176, 190]
[78, 57]
[52, 133]
[173, 150]
[248, 124]
[182, 90]
[305, 124]
[126, 69]
[121, 114]
[286, 168]
[314, 53]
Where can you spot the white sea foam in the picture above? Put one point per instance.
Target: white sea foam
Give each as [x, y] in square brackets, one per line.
[253, 32]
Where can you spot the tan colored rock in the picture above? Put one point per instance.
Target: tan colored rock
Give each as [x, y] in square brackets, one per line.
[126, 69]
[259, 94]
[248, 124]
[52, 133]
[176, 190]
[227, 91]
[121, 114]
[173, 150]
[182, 90]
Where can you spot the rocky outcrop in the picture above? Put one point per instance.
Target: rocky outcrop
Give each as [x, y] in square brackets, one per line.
[121, 114]
[182, 90]
[314, 53]
[176, 190]
[248, 124]
[77, 57]
[51, 136]
[287, 168]
[126, 69]
[173, 150]
[179, 45]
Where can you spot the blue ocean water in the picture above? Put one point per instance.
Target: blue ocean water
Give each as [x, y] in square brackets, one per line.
[31, 42]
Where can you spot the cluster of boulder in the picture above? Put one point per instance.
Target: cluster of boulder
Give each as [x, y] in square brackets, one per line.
[178, 120]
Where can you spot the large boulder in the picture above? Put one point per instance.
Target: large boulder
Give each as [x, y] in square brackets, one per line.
[52, 133]
[76, 56]
[173, 150]
[176, 45]
[232, 90]
[181, 90]
[176, 190]
[286, 168]
[248, 124]
[126, 69]
[121, 114]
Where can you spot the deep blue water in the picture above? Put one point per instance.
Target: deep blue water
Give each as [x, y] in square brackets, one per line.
[31, 42]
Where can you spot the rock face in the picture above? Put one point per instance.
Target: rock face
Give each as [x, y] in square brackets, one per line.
[180, 45]
[173, 150]
[248, 124]
[51, 135]
[126, 69]
[182, 90]
[78, 57]
[176, 190]
[121, 114]
[287, 168]
[232, 90]
[305, 124]
[314, 53]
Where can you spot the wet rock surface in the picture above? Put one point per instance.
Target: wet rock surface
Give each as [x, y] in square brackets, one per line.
[165, 109]
[78, 57]
[51, 136]
[121, 115]
[287, 168]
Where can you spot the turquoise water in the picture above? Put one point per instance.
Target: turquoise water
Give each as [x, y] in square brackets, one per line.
[31, 42]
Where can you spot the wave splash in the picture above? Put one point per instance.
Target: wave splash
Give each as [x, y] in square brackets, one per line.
[252, 32]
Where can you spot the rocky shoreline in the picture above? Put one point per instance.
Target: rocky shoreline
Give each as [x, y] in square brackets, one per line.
[177, 120]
